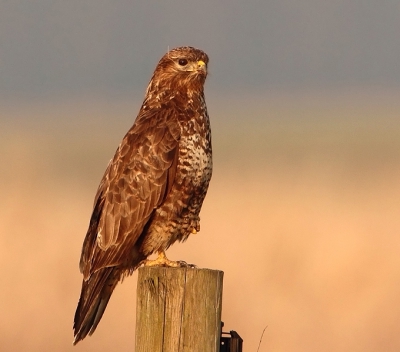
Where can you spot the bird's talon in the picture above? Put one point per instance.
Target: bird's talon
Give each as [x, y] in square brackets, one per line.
[183, 264]
[162, 260]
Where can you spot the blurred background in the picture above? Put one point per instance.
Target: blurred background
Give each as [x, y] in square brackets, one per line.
[302, 213]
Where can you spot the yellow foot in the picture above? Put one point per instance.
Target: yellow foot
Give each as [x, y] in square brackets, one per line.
[162, 260]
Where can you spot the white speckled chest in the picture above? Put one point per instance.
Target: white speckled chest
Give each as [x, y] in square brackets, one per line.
[196, 155]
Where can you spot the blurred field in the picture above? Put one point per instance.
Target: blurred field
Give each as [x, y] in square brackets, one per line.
[302, 216]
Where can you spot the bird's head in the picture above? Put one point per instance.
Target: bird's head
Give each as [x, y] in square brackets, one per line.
[181, 68]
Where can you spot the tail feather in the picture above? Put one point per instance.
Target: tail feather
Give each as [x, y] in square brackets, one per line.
[95, 294]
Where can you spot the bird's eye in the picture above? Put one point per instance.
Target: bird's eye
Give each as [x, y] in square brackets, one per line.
[182, 62]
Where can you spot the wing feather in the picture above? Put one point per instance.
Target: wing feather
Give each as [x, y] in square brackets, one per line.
[135, 183]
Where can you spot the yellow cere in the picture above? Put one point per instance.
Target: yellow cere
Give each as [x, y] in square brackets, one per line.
[201, 63]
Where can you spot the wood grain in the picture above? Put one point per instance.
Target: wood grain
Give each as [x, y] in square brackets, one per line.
[178, 310]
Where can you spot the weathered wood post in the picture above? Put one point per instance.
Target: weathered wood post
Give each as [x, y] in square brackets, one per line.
[178, 309]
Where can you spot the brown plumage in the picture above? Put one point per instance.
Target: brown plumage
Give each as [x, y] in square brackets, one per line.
[152, 191]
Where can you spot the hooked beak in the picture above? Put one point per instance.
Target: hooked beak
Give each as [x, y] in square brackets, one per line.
[201, 66]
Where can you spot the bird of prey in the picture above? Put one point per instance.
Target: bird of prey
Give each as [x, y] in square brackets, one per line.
[152, 190]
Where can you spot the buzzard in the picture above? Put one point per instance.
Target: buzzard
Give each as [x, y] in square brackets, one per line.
[152, 190]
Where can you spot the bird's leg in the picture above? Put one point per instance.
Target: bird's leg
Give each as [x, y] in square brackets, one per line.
[162, 260]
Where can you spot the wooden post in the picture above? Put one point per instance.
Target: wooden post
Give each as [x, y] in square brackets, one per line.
[178, 310]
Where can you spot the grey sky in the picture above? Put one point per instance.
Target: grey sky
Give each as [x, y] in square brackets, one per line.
[61, 48]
